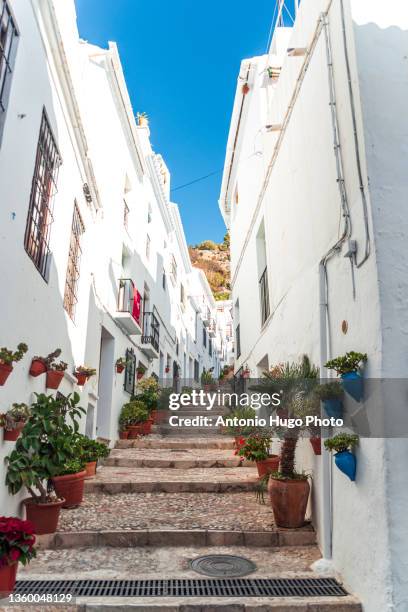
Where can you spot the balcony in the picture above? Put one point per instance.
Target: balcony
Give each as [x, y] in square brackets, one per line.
[151, 336]
[129, 307]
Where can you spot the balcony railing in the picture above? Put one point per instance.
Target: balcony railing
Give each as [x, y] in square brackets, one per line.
[238, 340]
[264, 295]
[151, 330]
[129, 307]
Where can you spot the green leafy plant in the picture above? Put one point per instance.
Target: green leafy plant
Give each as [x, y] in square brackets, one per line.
[133, 413]
[121, 361]
[18, 413]
[147, 391]
[90, 450]
[244, 414]
[46, 444]
[341, 442]
[255, 447]
[330, 390]
[206, 377]
[73, 466]
[8, 357]
[350, 362]
[85, 370]
[17, 541]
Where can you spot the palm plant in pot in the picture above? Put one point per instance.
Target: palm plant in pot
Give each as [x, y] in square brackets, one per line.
[17, 541]
[349, 367]
[14, 420]
[40, 454]
[331, 395]
[7, 358]
[289, 490]
[256, 447]
[343, 445]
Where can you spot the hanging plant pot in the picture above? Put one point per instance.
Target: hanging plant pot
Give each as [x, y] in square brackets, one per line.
[54, 378]
[11, 435]
[71, 488]
[37, 367]
[81, 378]
[245, 89]
[90, 469]
[167, 369]
[123, 435]
[353, 385]
[8, 575]
[271, 464]
[316, 445]
[5, 371]
[43, 516]
[347, 463]
[333, 408]
[139, 375]
[119, 368]
[289, 501]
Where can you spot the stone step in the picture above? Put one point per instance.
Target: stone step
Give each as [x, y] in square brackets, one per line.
[187, 431]
[174, 443]
[175, 458]
[141, 480]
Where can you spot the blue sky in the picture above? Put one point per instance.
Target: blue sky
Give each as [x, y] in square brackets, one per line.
[181, 61]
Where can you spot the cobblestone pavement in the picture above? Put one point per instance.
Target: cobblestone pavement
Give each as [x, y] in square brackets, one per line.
[235, 511]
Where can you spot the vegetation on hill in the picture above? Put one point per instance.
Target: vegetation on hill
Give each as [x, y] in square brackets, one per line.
[214, 260]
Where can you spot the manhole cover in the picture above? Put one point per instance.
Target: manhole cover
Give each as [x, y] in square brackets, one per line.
[222, 565]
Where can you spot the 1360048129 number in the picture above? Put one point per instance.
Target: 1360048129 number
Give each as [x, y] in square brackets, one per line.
[40, 598]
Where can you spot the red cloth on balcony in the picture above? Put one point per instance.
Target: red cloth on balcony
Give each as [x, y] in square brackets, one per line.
[137, 301]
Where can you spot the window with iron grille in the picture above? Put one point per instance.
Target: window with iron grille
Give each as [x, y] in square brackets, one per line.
[74, 261]
[43, 189]
[164, 279]
[130, 372]
[8, 48]
[125, 215]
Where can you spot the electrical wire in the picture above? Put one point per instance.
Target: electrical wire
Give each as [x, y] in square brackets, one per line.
[197, 180]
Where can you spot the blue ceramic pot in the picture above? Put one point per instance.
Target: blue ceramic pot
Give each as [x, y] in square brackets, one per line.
[333, 408]
[353, 385]
[347, 463]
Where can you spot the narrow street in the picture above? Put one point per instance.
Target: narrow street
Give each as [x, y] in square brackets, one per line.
[162, 501]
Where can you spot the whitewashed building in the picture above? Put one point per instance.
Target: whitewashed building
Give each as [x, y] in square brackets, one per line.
[93, 257]
[314, 194]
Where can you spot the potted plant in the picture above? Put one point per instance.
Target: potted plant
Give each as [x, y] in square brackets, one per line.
[148, 391]
[140, 371]
[38, 366]
[44, 447]
[120, 364]
[123, 432]
[331, 395]
[167, 369]
[141, 119]
[256, 448]
[83, 373]
[14, 420]
[17, 541]
[7, 358]
[69, 482]
[134, 414]
[349, 367]
[207, 379]
[240, 432]
[55, 370]
[288, 489]
[344, 458]
[89, 452]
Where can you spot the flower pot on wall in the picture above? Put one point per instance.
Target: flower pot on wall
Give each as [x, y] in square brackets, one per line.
[271, 464]
[316, 445]
[289, 501]
[37, 367]
[333, 408]
[71, 488]
[54, 378]
[81, 378]
[347, 463]
[119, 368]
[43, 516]
[11, 435]
[353, 385]
[5, 371]
[8, 575]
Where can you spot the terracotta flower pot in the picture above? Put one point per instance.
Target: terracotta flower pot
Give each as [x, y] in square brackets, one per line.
[139, 375]
[317, 445]
[8, 575]
[71, 488]
[119, 368]
[81, 378]
[43, 516]
[11, 435]
[90, 469]
[289, 501]
[271, 464]
[123, 435]
[146, 427]
[37, 367]
[54, 378]
[134, 431]
[153, 416]
[5, 371]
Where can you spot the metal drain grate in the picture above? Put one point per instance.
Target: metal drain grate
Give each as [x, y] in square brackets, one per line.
[227, 587]
[229, 566]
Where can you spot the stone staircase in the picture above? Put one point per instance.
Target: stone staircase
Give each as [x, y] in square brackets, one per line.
[161, 501]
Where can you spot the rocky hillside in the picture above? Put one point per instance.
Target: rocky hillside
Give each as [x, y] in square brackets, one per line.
[214, 260]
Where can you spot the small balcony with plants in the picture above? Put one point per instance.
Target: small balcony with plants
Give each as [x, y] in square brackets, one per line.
[151, 335]
[129, 307]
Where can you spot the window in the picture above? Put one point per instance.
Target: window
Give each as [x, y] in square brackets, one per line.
[210, 348]
[164, 279]
[8, 48]
[74, 260]
[262, 273]
[39, 220]
[196, 370]
[149, 214]
[238, 340]
[125, 215]
[177, 346]
[130, 372]
[173, 270]
[204, 337]
[147, 247]
[182, 295]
